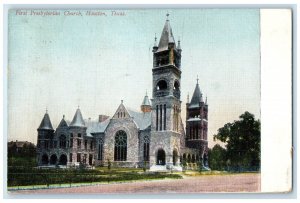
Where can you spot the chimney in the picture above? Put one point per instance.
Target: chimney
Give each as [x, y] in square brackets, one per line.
[102, 118]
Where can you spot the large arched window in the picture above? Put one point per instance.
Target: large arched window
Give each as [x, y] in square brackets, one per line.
[146, 142]
[120, 146]
[62, 141]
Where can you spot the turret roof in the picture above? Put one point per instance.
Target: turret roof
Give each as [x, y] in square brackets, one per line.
[197, 97]
[166, 37]
[46, 123]
[146, 101]
[77, 119]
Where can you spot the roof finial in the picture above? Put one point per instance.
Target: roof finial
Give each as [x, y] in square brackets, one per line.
[46, 109]
[155, 41]
[146, 93]
[122, 101]
[206, 99]
[63, 116]
[178, 47]
[197, 79]
[167, 15]
[78, 107]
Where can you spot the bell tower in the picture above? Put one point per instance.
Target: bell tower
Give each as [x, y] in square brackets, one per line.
[166, 104]
[196, 124]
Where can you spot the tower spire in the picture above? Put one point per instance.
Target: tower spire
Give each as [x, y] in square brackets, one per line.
[197, 80]
[167, 15]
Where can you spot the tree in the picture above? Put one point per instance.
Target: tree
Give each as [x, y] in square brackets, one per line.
[217, 157]
[242, 138]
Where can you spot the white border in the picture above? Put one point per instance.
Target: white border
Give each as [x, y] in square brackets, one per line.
[266, 144]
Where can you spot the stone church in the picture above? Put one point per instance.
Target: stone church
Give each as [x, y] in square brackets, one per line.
[154, 137]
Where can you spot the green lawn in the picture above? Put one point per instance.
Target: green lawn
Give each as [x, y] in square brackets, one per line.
[23, 176]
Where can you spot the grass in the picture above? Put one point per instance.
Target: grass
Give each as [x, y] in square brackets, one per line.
[23, 176]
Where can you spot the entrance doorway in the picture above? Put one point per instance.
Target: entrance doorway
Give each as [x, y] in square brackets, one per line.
[161, 157]
[63, 160]
[45, 160]
[53, 159]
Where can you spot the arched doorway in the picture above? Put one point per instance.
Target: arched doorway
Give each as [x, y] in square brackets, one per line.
[193, 158]
[184, 158]
[189, 158]
[161, 157]
[45, 159]
[53, 159]
[175, 157]
[63, 159]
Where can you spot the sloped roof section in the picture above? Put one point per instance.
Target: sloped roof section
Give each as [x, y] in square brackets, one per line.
[46, 123]
[142, 120]
[96, 127]
[77, 119]
[166, 37]
[146, 101]
[197, 97]
[63, 123]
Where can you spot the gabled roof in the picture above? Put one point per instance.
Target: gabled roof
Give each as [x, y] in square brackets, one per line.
[197, 97]
[166, 37]
[121, 112]
[46, 123]
[77, 119]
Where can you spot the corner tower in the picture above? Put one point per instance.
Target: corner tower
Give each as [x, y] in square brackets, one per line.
[165, 119]
[196, 123]
[45, 135]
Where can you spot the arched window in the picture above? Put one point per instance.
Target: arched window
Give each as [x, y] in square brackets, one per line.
[62, 141]
[146, 142]
[100, 149]
[120, 146]
[176, 85]
[161, 85]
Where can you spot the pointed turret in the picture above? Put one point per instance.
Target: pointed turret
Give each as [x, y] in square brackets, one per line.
[166, 37]
[62, 123]
[197, 96]
[146, 106]
[46, 123]
[77, 119]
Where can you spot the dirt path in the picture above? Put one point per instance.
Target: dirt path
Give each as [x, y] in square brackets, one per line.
[196, 184]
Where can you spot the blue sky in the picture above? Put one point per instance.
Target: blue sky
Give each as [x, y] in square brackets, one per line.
[60, 62]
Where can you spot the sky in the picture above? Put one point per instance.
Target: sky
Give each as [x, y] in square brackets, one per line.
[65, 61]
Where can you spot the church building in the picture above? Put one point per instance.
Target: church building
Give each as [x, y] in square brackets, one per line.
[154, 137]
